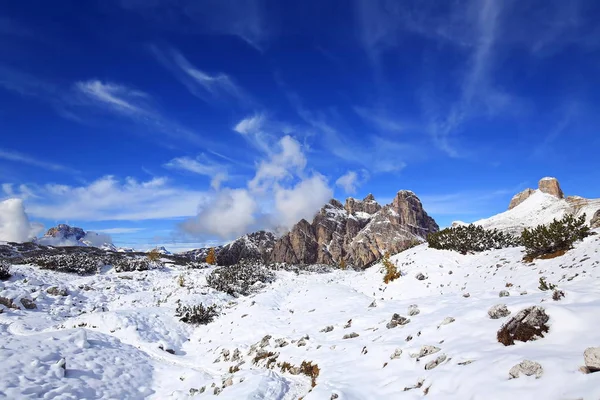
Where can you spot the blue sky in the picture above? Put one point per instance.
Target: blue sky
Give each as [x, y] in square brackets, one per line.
[191, 122]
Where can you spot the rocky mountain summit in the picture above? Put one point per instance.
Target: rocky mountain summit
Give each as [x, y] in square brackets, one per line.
[530, 208]
[253, 246]
[64, 231]
[358, 232]
[545, 185]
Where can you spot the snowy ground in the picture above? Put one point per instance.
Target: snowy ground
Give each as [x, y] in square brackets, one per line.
[110, 328]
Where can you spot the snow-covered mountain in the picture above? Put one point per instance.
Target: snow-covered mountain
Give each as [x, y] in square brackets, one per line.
[65, 235]
[538, 207]
[334, 334]
[160, 250]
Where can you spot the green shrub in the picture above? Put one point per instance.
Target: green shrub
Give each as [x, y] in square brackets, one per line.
[196, 315]
[558, 236]
[472, 238]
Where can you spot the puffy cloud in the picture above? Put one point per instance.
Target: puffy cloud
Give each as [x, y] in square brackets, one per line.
[280, 194]
[14, 223]
[229, 214]
[288, 162]
[301, 201]
[109, 198]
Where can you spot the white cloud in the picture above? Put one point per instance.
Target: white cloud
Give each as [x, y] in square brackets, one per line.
[25, 159]
[288, 162]
[119, 97]
[201, 166]
[279, 195]
[133, 104]
[14, 222]
[261, 132]
[241, 18]
[229, 214]
[206, 86]
[301, 201]
[348, 182]
[111, 199]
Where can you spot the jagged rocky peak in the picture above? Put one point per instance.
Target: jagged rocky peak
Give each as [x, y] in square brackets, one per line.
[64, 231]
[358, 233]
[545, 185]
[367, 205]
[255, 246]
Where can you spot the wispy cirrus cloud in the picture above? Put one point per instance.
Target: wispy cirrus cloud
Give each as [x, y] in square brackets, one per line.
[261, 132]
[201, 165]
[245, 19]
[208, 87]
[77, 101]
[133, 104]
[11, 155]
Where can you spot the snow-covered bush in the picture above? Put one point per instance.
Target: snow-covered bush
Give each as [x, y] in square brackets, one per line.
[196, 315]
[558, 236]
[240, 279]
[4, 270]
[471, 238]
[130, 264]
[79, 263]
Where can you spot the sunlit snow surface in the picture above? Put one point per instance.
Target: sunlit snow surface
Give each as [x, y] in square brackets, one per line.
[110, 328]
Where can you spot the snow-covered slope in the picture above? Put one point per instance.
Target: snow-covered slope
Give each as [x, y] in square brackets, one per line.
[112, 331]
[538, 209]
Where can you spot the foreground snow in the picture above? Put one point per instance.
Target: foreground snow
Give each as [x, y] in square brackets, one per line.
[110, 329]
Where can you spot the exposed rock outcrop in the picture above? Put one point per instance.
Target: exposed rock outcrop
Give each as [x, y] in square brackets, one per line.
[545, 185]
[520, 197]
[551, 186]
[359, 232]
[595, 222]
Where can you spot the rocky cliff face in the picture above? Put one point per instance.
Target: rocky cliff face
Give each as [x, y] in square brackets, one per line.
[359, 232]
[595, 222]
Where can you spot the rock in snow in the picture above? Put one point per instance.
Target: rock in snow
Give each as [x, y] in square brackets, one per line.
[527, 368]
[591, 356]
[498, 311]
[528, 324]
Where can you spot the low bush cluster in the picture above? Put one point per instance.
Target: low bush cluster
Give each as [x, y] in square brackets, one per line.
[240, 279]
[79, 263]
[4, 270]
[554, 238]
[196, 315]
[130, 264]
[471, 238]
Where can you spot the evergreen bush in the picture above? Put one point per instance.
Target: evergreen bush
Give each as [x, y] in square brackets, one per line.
[470, 238]
[196, 315]
[557, 236]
